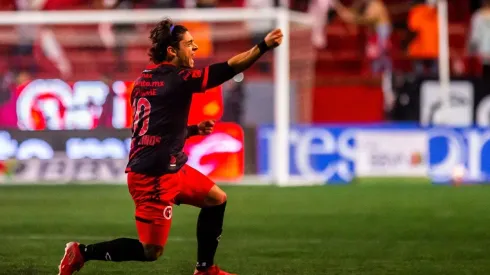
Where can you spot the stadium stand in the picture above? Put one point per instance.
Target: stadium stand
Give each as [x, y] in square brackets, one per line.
[344, 55]
[83, 45]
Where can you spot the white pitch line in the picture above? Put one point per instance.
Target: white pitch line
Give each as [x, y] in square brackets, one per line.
[42, 237]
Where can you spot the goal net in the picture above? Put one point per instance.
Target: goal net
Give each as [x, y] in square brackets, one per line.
[73, 70]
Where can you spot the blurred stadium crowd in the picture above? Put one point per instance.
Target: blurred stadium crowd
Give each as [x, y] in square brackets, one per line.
[62, 49]
[405, 38]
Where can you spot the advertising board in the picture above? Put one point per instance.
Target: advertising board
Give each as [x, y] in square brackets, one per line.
[391, 153]
[44, 156]
[422, 100]
[337, 154]
[451, 148]
[53, 104]
[61, 169]
[324, 154]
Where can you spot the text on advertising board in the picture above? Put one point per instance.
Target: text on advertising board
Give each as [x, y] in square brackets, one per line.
[315, 152]
[451, 147]
[219, 155]
[53, 104]
[329, 153]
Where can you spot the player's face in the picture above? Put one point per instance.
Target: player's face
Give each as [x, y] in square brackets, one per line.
[187, 49]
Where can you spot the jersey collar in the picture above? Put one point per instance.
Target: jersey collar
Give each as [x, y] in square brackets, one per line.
[152, 66]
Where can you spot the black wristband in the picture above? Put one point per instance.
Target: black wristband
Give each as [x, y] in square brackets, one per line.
[263, 47]
[192, 130]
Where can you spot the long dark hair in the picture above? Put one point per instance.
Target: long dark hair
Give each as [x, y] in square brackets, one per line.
[163, 35]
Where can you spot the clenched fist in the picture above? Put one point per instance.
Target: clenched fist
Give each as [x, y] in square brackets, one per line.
[274, 38]
[205, 127]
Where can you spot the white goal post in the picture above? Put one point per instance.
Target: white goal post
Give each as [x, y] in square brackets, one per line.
[281, 15]
[444, 63]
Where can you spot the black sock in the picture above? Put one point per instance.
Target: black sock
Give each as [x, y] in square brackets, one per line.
[209, 228]
[118, 250]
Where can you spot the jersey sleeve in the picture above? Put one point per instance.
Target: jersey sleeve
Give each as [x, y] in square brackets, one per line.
[195, 80]
[192, 130]
[201, 80]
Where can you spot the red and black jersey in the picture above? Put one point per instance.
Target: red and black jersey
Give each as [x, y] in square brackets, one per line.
[161, 100]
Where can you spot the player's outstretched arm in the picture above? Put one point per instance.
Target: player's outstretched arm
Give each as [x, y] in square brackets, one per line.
[244, 60]
[216, 74]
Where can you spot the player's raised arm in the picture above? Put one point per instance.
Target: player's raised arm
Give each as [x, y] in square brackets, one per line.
[217, 74]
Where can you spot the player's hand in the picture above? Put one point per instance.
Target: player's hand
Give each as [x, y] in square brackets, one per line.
[274, 38]
[206, 127]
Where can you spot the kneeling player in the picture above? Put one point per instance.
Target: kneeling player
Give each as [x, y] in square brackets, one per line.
[158, 177]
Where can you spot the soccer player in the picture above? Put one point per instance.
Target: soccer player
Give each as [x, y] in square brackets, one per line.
[158, 177]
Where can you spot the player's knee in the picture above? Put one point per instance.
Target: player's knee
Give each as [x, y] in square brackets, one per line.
[153, 252]
[221, 198]
[215, 197]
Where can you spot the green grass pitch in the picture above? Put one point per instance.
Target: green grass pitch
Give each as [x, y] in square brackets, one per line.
[356, 229]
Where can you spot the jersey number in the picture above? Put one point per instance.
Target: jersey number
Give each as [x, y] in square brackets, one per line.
[140, 114]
